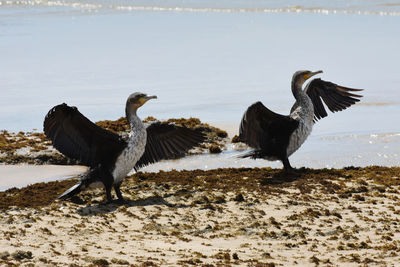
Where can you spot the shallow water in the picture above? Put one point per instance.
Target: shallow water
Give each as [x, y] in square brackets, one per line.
[23, 175]
[317, 152]
[208, 59]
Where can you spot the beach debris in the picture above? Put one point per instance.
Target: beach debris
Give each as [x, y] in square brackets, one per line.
[119, 261]
[235, 139]
[21, 255]
[214, 149]
[239, 198]
[4, 255]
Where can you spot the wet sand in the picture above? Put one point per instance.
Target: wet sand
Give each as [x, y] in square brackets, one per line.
[255, 217]
[22, 175]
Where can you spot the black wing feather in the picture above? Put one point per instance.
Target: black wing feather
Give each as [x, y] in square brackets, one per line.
[77, 137]
[168, 141]
[335, 97]
[266, 130]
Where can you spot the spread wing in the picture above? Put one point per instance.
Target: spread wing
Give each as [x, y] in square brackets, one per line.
[264, 129]
[335, 97]
[168, 141]
[77, 137]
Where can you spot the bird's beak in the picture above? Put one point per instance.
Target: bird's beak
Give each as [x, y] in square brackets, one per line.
[147, 98]
[308, 76]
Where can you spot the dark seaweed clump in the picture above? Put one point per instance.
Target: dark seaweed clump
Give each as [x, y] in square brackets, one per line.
[262, 181]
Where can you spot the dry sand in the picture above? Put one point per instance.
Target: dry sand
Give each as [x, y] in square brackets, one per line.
[250, 217]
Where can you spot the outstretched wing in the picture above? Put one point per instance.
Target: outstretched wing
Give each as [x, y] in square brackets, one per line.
[168, 141]
[77, 137]
[335, 97]
[264, 129]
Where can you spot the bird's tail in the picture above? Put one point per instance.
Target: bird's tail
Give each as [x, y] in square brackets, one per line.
[71, 191]
[254, 154]
[86, 180]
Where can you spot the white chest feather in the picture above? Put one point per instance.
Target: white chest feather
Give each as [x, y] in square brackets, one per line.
[133, 152]
[303, 112]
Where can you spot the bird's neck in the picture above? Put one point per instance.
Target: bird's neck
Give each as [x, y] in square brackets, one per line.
[303, 108]
[137, 126]
[297, 89]
[135, 123]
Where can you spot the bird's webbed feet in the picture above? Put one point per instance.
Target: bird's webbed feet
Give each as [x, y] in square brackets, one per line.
[117, 189]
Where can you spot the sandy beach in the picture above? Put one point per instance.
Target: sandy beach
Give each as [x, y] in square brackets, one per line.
[229, 217]
[205, 60]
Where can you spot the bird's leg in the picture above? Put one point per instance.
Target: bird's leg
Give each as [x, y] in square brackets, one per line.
[108, 181]
[118, 192]
[108, 193]
[286, 164]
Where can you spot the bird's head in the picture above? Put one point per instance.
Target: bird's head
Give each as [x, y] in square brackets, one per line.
[299, 77]
[135, 101]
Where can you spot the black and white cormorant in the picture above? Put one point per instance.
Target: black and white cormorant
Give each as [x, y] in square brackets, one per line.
[109, 157]
[275, 137]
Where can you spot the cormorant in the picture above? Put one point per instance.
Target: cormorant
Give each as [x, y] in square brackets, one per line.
[275, 137]
[109, 157]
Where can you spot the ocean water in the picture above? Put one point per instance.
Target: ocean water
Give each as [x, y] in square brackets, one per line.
[211, 60]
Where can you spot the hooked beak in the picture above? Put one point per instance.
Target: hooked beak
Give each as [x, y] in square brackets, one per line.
[147, 98]
[308, 76]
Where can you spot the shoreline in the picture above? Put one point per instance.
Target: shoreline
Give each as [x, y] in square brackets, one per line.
[22, 175]
[321, 149]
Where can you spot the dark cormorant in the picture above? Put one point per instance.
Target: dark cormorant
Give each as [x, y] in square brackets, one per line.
[275, 137]
[109, 157]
